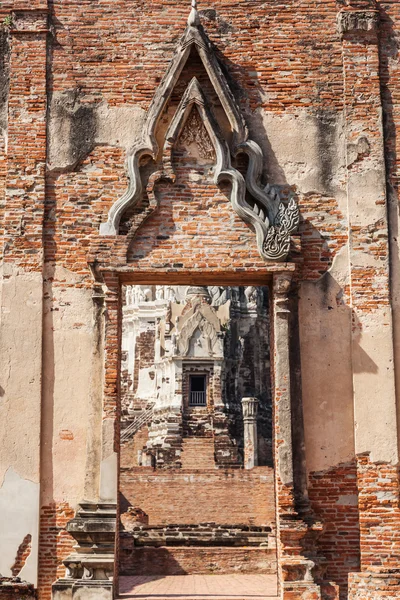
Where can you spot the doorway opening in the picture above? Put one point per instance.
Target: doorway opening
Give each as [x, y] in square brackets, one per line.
[198, 390]
[197, 505]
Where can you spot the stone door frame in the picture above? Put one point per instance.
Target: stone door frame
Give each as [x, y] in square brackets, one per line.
[295, 570]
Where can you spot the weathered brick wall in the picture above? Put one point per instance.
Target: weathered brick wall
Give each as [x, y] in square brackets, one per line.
[285, 65]
[379, 515]
[334, 498]
[55, 545]
[300, 71]
[200, 560]
[231, 496]
[12, 590]
[131, 448]
[370, 586]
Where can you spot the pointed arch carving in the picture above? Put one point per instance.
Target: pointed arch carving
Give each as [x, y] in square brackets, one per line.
[203, 319]
[272, 219]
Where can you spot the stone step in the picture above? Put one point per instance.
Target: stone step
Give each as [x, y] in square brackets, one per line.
[167, 561]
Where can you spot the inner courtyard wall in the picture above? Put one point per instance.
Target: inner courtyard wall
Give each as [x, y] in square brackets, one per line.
[103, 66]
[229, 496]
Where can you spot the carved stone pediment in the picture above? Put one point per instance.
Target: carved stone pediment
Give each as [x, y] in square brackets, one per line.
[202, 317]
[262, 207]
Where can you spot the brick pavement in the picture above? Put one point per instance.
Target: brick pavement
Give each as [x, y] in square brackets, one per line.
[218, 587]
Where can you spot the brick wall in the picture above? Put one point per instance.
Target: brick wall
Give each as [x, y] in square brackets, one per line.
[55, 545]
[130, 449]
[226, 497]
[371, 586]
[379, 515]
[334, 499]
[184, 561]
[11, 590]
[105, 54]
[302, 70]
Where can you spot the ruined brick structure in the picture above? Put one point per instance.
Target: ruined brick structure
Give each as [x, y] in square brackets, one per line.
[219, 336]
[252, 144]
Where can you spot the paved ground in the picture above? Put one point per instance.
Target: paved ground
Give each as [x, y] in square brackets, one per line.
[195, 587]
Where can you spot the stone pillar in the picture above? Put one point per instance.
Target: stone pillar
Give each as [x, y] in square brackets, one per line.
[250, 411]
[90, 568]
[296, 567]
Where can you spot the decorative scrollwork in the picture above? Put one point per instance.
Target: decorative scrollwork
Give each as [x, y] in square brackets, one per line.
[277, 241]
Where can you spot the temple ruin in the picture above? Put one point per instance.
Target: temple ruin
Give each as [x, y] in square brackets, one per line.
[199, 300]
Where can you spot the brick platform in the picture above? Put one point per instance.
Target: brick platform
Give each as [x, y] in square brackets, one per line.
[223, 587]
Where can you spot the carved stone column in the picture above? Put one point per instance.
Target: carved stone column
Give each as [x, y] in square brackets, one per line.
[250, 411]
[90, 568]
[295, 566]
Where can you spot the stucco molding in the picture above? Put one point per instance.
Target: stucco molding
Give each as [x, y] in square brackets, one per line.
[272, 219]
[204, 319]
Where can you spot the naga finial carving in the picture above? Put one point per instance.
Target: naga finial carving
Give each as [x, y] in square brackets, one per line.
[194, 19]
[273, 218]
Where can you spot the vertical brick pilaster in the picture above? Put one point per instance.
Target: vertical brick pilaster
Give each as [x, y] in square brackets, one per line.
[22, 266]
[372, 329]
[294, 568]
[110, 434]
[26, 154]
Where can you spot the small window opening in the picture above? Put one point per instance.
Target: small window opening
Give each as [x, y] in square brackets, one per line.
[197, 395]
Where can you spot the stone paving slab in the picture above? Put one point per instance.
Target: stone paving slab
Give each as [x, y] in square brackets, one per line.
[195, 587]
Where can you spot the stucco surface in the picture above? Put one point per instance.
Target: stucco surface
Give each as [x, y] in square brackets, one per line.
[19, 509]
[67, 377]
[325, 335]
[20, 399]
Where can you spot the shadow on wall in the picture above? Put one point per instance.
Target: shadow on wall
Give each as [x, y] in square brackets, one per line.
[147, 561]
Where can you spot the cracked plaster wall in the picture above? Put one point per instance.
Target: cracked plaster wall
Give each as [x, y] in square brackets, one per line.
[19, 509]
[20, 413]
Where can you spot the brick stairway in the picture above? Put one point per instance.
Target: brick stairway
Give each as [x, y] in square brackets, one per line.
[198, 453]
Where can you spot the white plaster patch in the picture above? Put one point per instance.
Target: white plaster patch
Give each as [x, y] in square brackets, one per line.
[348, 500]
[109, 478]
[147, 383]
[297, 155]
[392, 496]
[19, 516]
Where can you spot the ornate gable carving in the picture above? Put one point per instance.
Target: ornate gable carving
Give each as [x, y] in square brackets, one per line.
[261, 207]
[199, 316]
